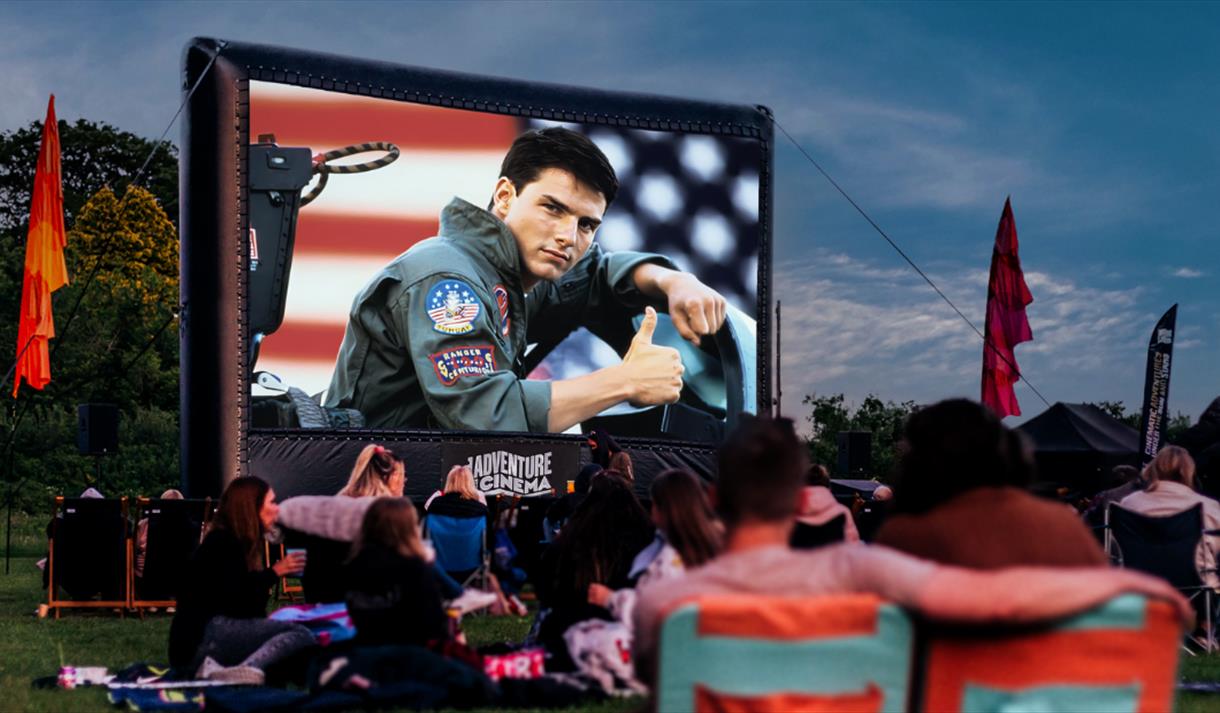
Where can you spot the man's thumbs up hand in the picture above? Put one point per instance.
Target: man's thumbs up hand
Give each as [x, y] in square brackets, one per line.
[654, 372]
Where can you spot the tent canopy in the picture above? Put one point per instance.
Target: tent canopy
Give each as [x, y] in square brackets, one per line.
[1080, 428]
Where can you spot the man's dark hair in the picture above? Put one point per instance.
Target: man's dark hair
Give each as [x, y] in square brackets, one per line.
[557, 147]
[954, 446]
[817, 475]
[762, 470]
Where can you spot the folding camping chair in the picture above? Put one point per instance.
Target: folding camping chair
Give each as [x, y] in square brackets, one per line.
[808, 537]
[742, 652]
[90, 555]
[461, 546]
[1121, 656]
[1164, 547]
[173, 530]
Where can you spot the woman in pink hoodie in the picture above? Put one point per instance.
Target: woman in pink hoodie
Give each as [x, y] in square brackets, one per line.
[818, 509]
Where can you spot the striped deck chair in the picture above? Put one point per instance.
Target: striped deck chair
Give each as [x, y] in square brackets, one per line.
[1120, 657]
[750, 653]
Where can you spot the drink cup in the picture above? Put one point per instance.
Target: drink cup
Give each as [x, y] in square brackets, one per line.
[67, 677]
[300, 553]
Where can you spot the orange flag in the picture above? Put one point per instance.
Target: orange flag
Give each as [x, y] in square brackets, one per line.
[45, 270]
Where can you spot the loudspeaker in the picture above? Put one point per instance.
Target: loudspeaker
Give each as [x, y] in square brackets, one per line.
[97, 430]
[855, 452]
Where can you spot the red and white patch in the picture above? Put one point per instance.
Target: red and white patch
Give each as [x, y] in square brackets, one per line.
[502, 302]
[453, 364]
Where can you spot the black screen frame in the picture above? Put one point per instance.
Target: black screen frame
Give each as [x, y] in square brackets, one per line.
[214, 385]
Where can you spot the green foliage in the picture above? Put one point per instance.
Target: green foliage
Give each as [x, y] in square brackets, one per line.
[1177, 424]
[123, 256]
[831, 414]
[114, 321]
[92, 155]
[46, 462]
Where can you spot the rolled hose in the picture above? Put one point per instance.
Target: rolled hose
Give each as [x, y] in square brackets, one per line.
[324, 169]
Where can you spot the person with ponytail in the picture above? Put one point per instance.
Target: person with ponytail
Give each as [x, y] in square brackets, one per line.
[220, 630]
[378, 472]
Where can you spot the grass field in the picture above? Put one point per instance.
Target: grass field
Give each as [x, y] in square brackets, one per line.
[31, 647]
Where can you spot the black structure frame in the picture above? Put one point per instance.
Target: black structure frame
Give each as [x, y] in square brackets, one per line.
[217, 442]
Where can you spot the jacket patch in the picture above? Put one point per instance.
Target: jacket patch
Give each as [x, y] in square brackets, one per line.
[453, 364]
[452, 307]
[502, 302]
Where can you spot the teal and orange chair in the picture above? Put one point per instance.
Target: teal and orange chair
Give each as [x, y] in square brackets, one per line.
[1122, 657]
[740, 652]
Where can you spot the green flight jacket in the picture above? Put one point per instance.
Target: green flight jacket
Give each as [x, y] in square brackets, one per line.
[437, 337]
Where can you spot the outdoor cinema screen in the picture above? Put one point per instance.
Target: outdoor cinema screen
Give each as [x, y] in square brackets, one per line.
[361, 318]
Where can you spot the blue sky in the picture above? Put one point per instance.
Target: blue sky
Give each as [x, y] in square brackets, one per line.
[1098, 119]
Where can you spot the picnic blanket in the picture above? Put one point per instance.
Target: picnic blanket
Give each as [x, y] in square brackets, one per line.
[330, 623]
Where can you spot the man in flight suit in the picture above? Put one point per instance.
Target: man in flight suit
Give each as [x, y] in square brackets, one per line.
[437, 337]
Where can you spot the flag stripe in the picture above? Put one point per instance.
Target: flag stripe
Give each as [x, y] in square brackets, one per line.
[304, 341]
[381, 236]
[362, 119]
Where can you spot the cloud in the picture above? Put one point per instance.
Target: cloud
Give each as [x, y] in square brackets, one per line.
[1188, 272]
[852, 327]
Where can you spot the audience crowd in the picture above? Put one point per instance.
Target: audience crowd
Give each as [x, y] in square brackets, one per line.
[962, 540]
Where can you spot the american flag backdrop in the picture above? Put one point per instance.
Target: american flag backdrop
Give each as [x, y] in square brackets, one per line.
[693, 198]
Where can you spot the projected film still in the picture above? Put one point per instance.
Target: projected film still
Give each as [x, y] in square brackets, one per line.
[436, 268]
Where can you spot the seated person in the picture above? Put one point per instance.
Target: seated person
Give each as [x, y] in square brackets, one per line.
[1124, 480]
[688, 534]
[560, 510]
[961, 497]
[598, 545]
[1170, 489]
[819, 510]
[142, 534]
[459, 498]
[761, 472]
[221, 630]
[377, 473]
[392, 593]
[621, 462]
[327, 525]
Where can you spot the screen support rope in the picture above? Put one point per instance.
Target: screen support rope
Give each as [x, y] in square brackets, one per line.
[987, 343]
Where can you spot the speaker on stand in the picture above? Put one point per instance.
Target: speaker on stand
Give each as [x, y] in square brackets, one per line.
[97, 433]
[855, 453]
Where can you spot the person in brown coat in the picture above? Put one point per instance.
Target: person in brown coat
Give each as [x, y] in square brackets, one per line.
[961, 497]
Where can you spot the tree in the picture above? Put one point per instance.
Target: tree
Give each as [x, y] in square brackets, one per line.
[1176, 426]
[123, 255]
[883, 419]
[92, 155]
[114, 344]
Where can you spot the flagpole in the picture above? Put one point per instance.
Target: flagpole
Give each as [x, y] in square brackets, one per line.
[17, 361]
[779, 384]
[8, 469]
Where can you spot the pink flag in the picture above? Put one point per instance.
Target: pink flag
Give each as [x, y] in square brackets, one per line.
[1007, 326]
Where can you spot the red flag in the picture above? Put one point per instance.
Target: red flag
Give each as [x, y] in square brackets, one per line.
[1007, 326]
[45, 270]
